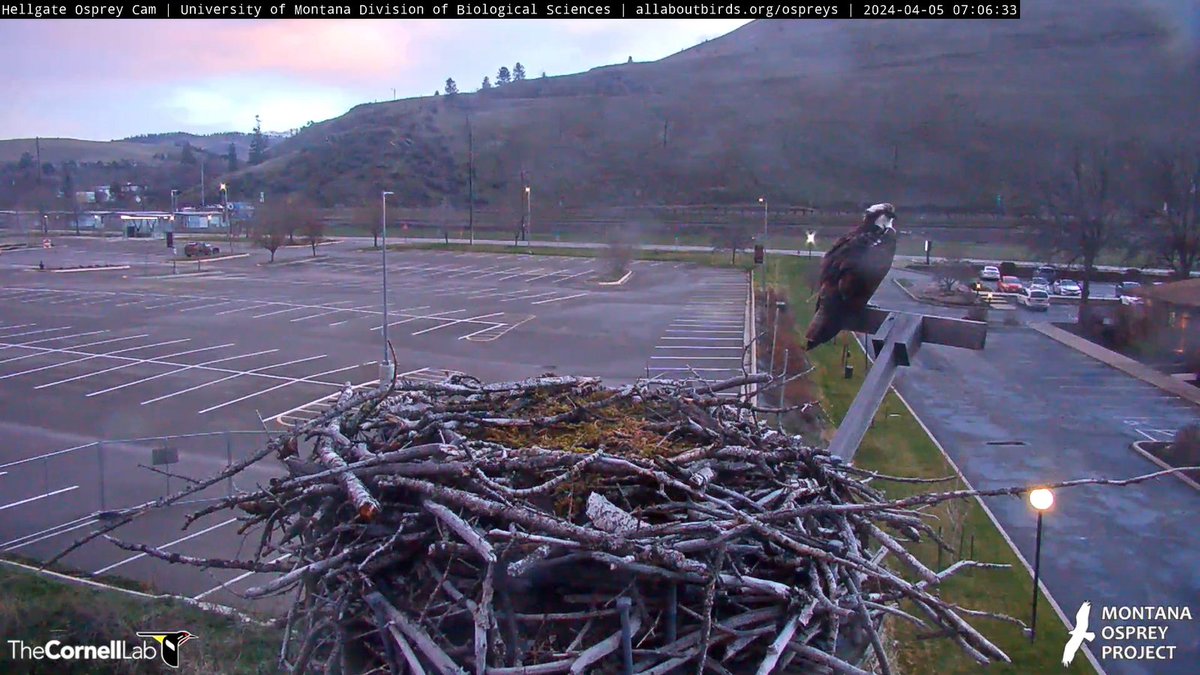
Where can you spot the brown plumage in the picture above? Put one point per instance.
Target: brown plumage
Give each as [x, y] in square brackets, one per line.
[851, 271]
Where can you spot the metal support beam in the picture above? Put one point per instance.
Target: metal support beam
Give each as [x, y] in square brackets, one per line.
[895, 339]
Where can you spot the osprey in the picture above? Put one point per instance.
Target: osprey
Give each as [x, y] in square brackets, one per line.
[851, 271]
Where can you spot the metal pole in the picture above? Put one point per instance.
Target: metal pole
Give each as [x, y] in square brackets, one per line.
[782, 387]
[774, 336]
[1037, 569]
[528, 216]
[229, 458]
[203, 200]
[100, 462]
[623, 604]
[386, 370]
[764, 222]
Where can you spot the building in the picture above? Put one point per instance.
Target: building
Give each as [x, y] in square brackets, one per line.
[1173, 312]
[199, 219]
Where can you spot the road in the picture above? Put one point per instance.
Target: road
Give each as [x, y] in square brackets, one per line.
[1028, 410]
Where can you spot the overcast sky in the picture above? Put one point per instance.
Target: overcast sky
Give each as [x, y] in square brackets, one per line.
[111, 79]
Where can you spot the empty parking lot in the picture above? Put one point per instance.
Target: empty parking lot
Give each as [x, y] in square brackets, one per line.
[143, 353]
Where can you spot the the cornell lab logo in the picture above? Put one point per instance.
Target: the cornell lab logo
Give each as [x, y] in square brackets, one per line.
[170, 641]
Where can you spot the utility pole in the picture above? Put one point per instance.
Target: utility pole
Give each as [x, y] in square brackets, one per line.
[470, 182]
[202, 200]
[387, 370]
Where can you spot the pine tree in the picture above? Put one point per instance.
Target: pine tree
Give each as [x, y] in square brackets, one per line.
[487, 84]
[258, 144]
[231, 157]
[187, 156]
[518, 72]
[451, 86]
[503, 77]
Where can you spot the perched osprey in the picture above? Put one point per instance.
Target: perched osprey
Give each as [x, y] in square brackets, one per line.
[851, 271]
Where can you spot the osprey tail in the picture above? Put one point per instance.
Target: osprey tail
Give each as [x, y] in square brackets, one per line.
[826, 323]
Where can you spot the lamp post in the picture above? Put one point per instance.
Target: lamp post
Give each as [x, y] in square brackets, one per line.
[1041, 499]
[387, 370]
[225, 215]
[528, 216]
[763, 201]
[810, 239]
[927, 249]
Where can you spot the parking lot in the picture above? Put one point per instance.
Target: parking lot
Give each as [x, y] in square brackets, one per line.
[122, 354]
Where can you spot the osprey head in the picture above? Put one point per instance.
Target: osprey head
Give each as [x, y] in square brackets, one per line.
[880, 216]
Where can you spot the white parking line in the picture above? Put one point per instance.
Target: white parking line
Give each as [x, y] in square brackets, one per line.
[326, 313]
[569, 297]
[257, 304]
[691, 347]
[438, 315]
[717, 370]
[705, 339]
[184, 367]
[451, 322]
[129, 365]
[281, 386]
[278, 311]
[34, 499]
[167, 545]
[34, 342]
[35, 332]
[530, 297]
[703, 330]
[697, 358]
[15, 327]
[48, 533]
[243, 575]
[87, 356]
[230, 377]
[212, 304]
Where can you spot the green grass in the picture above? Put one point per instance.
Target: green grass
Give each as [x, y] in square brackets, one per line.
[896, 444]
[35, 609]
[744, 261]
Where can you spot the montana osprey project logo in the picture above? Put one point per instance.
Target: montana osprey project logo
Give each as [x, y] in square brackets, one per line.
[1079, 633]
[170, 641]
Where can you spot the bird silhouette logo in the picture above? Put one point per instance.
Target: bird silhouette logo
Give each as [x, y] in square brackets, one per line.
[1078, 634]
[170, 641]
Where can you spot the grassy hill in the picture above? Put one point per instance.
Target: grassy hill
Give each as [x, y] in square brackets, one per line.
[930, 114]
[944, 113]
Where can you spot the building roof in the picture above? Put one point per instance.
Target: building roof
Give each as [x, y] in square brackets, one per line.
[1182, 293]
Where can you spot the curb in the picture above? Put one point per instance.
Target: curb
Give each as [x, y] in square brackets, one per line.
[1137, 447]
[91, 269]
[214, 608]
[1123, 363]
[1087, 652]
[232, 256]
[285, 263]
[618, 282]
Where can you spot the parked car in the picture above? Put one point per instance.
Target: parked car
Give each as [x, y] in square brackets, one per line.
[1067, 287]
[1036, 299]
[200, 248]
[990, 273]
[1040, 282]
[1123, 288]
[1046, 272]
[1009, 285]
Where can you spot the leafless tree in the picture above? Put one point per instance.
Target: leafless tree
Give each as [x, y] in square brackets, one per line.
[270, 226]
[312, 228]
[368, 219]
[733, 238]
[1173, 233]
[954, 270]
[1082, 214]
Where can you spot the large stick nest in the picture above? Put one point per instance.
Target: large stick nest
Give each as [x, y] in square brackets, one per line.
[555, 525]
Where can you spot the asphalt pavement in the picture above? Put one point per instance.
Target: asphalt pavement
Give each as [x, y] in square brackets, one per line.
[1028, 410]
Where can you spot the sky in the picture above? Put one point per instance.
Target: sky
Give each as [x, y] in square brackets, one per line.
[102, 80]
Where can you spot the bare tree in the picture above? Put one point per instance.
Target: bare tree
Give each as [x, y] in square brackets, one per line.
[1081, 213]
[367, 218]
[312, 228]
[1174, 232]
[733, 238]
[270, 226]
[954, 270]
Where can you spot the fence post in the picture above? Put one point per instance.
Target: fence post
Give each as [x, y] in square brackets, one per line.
[100, 462]
[229, 459]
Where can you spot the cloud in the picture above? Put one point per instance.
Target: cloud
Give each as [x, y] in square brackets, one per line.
[112, 79]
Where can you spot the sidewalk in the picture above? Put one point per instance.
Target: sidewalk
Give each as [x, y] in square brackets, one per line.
[1121, 362]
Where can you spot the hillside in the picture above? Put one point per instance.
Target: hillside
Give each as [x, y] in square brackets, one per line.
[58, 150]
[941, 113]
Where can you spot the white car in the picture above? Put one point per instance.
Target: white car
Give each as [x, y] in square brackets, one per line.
[990, 273]
[1067, 287]
[1034, 298]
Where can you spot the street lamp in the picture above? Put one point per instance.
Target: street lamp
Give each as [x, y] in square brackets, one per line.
[810, 239]
[528, 216]
[387, 370]
[763, 201]
[225, 215]
[1041, 499]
